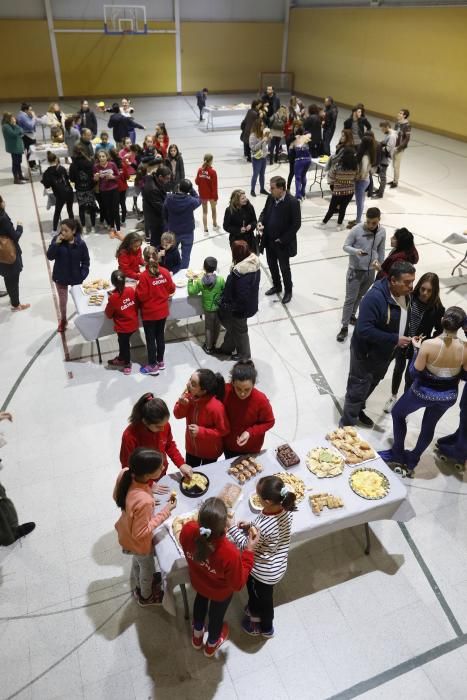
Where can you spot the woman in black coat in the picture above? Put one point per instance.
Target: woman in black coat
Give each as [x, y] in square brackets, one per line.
[10, 271]
[247, 125]
[81, 173]
[175, 162]
[56, 177]
[239, 302]
[240, 220]
[312, 125]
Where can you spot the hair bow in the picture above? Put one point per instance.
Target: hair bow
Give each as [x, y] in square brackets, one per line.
[205, 531]
[284, 492]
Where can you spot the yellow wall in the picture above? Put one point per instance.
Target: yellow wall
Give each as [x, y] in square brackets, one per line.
[386, 58]
[228, 56]
[26, 69]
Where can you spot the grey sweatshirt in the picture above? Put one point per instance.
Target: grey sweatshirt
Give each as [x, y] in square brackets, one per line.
[371, 243]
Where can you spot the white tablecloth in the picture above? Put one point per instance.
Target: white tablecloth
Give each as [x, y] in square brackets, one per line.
[217, 111]
[92, 322]
[40, 155]
[306, 525]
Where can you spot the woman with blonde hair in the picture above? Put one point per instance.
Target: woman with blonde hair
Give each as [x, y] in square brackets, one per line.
[240, 220]
[259, 146]
[206, 179]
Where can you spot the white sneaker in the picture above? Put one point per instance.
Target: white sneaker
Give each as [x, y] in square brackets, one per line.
[340, 227]
[93, 229]
[389, 404]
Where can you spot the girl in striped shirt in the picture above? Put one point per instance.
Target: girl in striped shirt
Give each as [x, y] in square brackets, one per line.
[274, 525]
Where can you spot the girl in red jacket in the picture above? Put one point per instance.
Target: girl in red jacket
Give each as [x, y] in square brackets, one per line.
[217, 569]
[248, 411]
[161, 140]
[129, 256]
[150, 427]
[206, 179]
[155, 287]
[133, 495]
[122, 307]
[206, 421]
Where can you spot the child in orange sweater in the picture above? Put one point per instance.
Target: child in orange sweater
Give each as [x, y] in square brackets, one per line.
[133, 494]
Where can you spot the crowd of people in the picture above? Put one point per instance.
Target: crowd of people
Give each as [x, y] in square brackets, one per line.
[392, 319]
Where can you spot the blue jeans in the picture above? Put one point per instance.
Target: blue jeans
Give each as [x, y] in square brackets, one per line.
[259, 169]
[360, 189]
[407, 404]
[301, 166]
[186, 243]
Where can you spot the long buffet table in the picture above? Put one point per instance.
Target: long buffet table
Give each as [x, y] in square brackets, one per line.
[216, 111]
[306, 525]
[93, 324]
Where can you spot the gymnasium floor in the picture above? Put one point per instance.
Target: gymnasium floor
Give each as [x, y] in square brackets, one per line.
[389, 625]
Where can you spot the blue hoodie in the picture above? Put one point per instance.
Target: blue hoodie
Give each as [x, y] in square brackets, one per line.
[178, 213]
[377, 331]
[71, 264]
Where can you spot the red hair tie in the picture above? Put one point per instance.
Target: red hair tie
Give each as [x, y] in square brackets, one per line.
[149, 397]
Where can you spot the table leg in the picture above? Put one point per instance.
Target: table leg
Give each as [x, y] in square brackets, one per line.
[185, 601]
[315, 177]
[99, 350]
[367, 538]
[320, 182]
[459, 265]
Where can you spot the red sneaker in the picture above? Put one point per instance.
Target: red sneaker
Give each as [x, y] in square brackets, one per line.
[210, 649]
[116, 362]
[197, 638]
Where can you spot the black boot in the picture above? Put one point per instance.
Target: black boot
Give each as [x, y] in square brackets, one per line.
[24, 529]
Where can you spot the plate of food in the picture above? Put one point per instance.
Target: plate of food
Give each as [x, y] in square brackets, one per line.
[255, 503]
[286, 456]
[319, 501]
[369, 483]
[354, 449]
[195, 485]
[180, 282]
[94, 286]
[179, 521]
[244, 468]
[294, 483]
[323, 462]
[95, 299]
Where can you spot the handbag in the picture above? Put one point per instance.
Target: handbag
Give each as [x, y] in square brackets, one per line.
[7, 250]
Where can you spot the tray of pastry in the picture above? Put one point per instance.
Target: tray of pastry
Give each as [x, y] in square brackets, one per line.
[319, 501]
[286, 456]
[255, 503]
[294, 483]
[94, 286]
[244, 468]
[324, 462]
[175, 527]
[195, 485]
[369, 483]
[95, 299]
[354, 449]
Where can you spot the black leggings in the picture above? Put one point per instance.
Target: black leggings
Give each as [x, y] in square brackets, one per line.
[12, 287]
[124, 347]
[194, 461]
[122, 198]
[110, 201]
[261, 602]
[92, 215]
[59, 204]
[217, 610]
[402, 357]
[338, 202]
[155, 340]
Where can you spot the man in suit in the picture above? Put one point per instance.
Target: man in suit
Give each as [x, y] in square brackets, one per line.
[278, 225]
[154, 194]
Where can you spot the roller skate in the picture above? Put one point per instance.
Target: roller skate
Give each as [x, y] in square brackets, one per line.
[447, 454]
[399, 467]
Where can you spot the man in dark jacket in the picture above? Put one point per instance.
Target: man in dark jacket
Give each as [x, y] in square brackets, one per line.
[201, 98]
[246, 126]
[121, 125]
[330, 119]
[381, 327]
[154, 194]
[178, 214]
[271, 103]
[278, 225]
[88, 118]
[86, 142]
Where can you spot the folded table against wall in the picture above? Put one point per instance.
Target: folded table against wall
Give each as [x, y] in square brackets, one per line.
[306, 525]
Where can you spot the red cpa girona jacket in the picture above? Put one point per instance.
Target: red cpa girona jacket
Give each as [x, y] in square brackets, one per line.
[130, 262]
[137, 435]
[206, 179]
[123, 309]
[208, 414]
[225, 570]
[153, 294]
[253, 414]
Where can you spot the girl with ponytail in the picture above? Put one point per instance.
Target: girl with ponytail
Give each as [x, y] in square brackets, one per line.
[150, 427]
[133, 494]
[155, 287]
[274, 524]
[122, 307]
[206, 420]
[217, 569]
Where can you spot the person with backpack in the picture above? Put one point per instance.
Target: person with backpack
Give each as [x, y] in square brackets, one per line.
[11, 262]
[56, 177]
[277, 124]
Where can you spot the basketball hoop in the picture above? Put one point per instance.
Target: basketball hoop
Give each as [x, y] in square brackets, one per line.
[125, 19]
